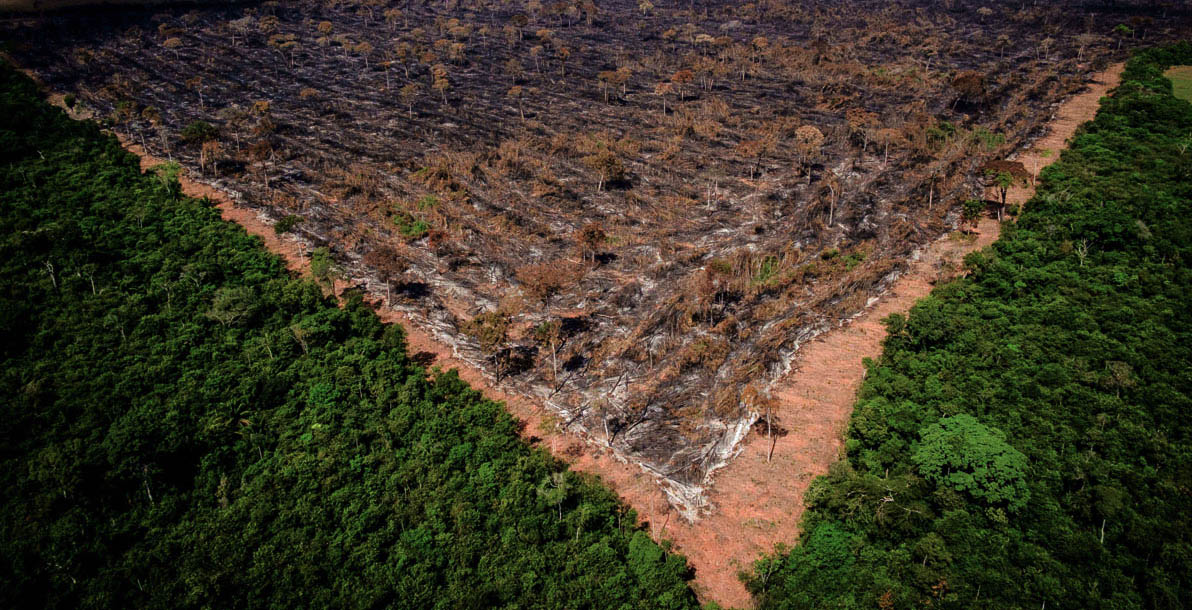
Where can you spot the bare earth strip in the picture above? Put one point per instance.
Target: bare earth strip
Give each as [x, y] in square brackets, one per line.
[757, 498]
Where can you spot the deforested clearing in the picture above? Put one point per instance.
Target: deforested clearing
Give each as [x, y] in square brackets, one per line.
[635, 214]
[666, 234]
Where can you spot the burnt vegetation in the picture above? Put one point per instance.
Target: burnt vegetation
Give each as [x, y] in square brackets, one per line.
[633, 211]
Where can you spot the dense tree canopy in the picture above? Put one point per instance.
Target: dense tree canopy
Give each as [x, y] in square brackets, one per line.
[1025, 438]
[963, 454]
[185, 425]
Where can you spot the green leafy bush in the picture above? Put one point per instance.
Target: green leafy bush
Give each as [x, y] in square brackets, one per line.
[409, 227]
[199, 132]
[287, 224]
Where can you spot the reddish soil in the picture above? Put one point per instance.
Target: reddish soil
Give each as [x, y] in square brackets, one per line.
[757, 498]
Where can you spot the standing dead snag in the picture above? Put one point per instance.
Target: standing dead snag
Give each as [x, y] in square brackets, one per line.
[550, 335]
[681, 79]
[403, 54]
[491, 330]
[364, 49]
[832, 181]
[759, 401]
[391, 17]
[515, 93]
[196, 84]
[563, 53]
[662, 90]
[283, 43]
[540, 282]
[260, 152]
[209, 154]
[515, 70]
[173, 44]
[752, 151]
[1002, 43]
[536, 55]
[519, 21]
[605, 78]
[439, 80]
[621, 78]
[886, 137]
[861, 123]
[408, 94]
[809, 140]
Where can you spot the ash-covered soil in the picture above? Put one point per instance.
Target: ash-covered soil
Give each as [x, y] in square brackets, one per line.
[632, 212]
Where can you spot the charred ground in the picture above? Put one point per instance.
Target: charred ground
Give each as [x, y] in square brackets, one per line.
[633, 212]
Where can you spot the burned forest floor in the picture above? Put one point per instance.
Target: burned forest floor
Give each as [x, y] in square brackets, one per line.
[629, 215]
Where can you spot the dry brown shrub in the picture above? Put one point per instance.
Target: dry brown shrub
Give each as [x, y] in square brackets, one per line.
[285, 201]
[707, 129]
[706, 352]
[437, 175]
[387, 261]
[542, 281]
[680, 124]
[970, 85]
[357, 179]
[560, 145]
[589, 239]
[437, 239]
[628, 146]
[727, 328]
[727, 402]
[715, 108]
[490, 329]
[544, 187]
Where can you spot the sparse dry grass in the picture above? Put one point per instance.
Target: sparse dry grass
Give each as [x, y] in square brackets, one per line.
[1181, 81]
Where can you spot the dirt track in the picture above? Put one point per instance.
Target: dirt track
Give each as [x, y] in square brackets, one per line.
[757, 498]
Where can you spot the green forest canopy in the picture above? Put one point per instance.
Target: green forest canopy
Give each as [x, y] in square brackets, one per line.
[185, 425]
[1025, 438]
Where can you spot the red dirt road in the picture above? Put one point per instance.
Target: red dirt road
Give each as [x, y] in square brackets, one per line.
[757, 501]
